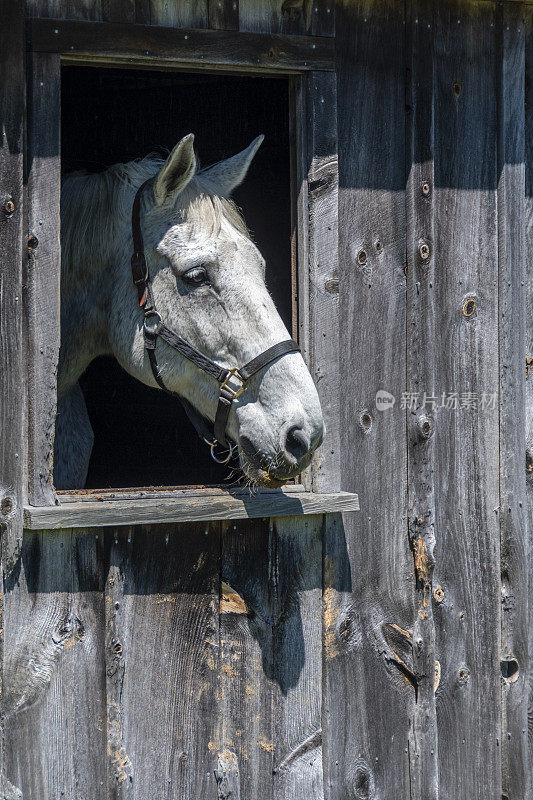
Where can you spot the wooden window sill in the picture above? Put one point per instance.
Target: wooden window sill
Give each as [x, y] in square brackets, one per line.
[143, 507]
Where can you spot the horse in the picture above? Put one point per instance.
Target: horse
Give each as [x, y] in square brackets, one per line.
[207, 281]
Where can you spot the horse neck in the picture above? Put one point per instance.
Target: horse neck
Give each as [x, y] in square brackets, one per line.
[91, 231]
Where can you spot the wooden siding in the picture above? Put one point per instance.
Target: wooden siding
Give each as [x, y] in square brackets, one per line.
[383, 654]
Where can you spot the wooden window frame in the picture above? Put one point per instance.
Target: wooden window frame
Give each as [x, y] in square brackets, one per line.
[309, 64]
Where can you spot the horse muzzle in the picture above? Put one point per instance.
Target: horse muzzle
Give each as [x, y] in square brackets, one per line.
[294, 454]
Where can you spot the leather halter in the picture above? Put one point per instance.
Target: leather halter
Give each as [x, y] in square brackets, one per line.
[232, 382]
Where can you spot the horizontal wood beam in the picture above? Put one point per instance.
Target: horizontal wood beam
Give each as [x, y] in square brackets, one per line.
[145, 45]
[194, 506]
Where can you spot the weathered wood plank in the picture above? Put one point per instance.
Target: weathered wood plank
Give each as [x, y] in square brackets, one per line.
[467, 617]
[66, 9]
[54, 679]
[145, 44]
[179, 13]
[512, 324]
[12, 369]
[122, 11]
[162, 661]
[185, 509]
[43, 271]
[247, 616]
[514, 669]
[296, 564]
[421, 378]
[288, 16]
[320, 268]
[274, 16]
[223, 14]
[91, 495]
[271, 641]
[368, 567]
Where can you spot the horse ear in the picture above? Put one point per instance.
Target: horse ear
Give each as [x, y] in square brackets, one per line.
[230, 173]
[177, 170]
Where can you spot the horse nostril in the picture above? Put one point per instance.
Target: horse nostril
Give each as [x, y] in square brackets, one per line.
[296, 443]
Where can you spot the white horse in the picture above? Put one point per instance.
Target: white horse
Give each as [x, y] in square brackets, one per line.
[208, 283]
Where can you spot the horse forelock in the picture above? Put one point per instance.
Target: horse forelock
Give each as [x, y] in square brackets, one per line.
[96, 209]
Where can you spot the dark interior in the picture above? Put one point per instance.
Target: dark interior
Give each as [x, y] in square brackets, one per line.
[142, 436]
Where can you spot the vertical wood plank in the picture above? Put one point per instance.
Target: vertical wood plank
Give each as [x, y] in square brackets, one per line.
[422, 380]
[319, 264]
[65, 9]
[528, 141]
[247, 616]
[12, 370]
[179, 13]
[368, 567]
[297, 735]
[118, 11]
[54, 680]
[288, 16]
[512, 324]
[271, 640]
[274, 16]
[467, 470]
[43, 271]
[223, 14]
[162, 663]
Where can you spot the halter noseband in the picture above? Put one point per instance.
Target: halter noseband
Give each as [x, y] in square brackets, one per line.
[232, 382]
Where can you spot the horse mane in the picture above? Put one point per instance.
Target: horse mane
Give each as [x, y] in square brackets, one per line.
[96, 210]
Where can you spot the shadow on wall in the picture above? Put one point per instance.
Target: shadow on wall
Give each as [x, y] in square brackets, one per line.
[192, 591]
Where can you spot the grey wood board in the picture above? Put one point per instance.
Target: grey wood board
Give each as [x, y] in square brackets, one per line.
[466, 439]
[296, 564]
[517, 667]
[54, 681]
[169, 492]
[368, 573]
[66, 9]
[190, 14]
[43, 271]
[201, 48]
[422, 377]
[271, 640]
[247, 617]
[162, 656]
[185, 509]
[13, 441]
[223, 14]
[118, 11]
[511, 339]
[321, 267]
[293, 17]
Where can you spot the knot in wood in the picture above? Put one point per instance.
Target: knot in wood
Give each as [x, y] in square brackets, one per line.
[438, 594]
[469, 307]
[6, 506]
[424, 251]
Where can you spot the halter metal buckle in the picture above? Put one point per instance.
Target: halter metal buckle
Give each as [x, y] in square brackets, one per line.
[233, 373]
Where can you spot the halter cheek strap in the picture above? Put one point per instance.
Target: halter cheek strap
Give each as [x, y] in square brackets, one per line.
[232, 382]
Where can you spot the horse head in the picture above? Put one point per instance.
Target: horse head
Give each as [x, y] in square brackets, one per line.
[207, 282]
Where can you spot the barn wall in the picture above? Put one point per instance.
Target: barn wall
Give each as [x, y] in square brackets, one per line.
[380, 656]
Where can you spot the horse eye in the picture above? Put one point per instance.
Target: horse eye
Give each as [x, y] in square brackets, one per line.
[196, 276]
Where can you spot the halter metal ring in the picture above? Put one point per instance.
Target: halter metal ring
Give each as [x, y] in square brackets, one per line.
[213, 445]
[151, 313]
